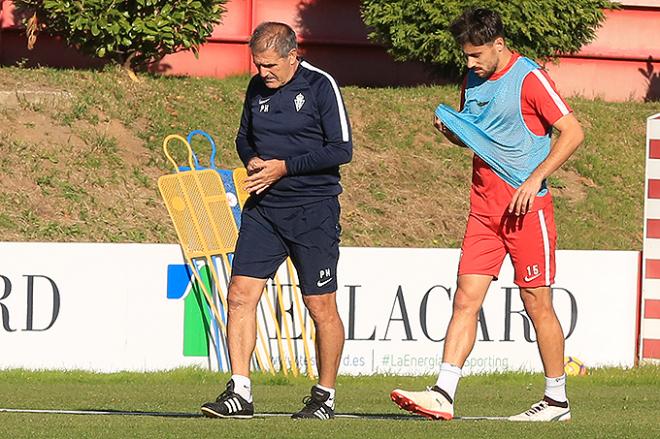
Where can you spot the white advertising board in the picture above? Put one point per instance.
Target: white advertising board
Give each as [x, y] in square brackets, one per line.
[402, 300]
[110, 302]
[109, 307]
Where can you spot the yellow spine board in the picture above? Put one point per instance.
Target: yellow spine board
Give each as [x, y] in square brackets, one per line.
[202, 218]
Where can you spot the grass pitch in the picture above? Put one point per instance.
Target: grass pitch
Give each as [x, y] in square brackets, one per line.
[605, 403]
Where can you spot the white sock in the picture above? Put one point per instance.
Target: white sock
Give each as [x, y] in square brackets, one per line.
[331, 399]
[555, 388]
[448, 378]
[242, 386]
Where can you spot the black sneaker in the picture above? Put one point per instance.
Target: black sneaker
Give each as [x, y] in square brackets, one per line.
[229, 405]
[315, 406]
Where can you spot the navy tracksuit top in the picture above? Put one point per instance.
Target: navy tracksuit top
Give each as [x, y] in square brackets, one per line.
[304, 123]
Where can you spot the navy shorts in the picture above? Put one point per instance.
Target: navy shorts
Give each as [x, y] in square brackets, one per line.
[308, 233]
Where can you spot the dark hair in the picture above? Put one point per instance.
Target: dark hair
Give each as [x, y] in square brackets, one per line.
[477, 27]
[273, 35]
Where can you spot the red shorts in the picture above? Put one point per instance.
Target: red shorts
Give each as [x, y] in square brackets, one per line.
[530, 240]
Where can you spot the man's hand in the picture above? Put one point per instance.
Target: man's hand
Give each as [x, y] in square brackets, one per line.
[254, 165]
[266, 172]
[523, 199]
[570, 137]
[437, 123]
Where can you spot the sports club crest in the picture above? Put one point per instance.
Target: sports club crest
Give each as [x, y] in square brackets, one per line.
[299, 101]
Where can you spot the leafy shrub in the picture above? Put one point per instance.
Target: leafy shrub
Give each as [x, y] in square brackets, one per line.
[127, 31]
[540, 29]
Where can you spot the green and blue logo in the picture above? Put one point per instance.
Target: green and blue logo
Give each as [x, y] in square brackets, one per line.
[201, 333]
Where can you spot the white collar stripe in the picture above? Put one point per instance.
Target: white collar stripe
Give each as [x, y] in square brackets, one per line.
[343, 120]
[551, 92]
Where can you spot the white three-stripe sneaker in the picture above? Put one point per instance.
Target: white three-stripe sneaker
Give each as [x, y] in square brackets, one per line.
[543, 412]
[316, 406]
[229, 405]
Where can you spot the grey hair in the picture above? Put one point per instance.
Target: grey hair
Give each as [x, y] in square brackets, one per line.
[273, 35]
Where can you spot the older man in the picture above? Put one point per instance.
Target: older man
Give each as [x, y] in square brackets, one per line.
[293, 136]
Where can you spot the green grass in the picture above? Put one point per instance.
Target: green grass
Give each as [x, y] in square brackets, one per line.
[84, 168]
[606, 403]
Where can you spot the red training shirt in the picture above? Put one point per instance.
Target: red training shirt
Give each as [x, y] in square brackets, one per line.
[541, 106]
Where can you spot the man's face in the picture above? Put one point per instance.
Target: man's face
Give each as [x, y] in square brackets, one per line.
[274, 69]
[483, 60]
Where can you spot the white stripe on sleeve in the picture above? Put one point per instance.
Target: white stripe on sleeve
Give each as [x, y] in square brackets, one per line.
[340, 104]
[551, 92]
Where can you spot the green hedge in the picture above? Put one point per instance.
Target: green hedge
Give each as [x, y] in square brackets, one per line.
[540, 29]
[139, 31]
